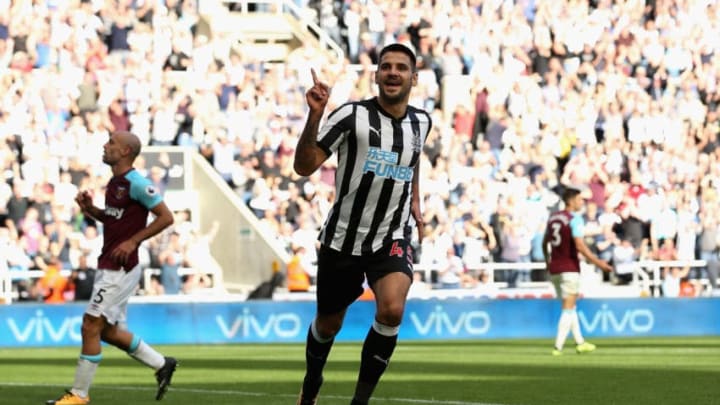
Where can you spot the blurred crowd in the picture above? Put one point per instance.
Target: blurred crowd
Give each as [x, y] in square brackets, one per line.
[619, 97]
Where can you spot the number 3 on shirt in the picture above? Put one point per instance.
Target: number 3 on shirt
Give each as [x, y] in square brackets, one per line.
[555, 230]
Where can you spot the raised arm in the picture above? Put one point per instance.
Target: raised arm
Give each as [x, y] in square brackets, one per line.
[308, 155]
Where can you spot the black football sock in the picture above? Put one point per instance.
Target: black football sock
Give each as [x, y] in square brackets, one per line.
[376, 353]
[316, 355]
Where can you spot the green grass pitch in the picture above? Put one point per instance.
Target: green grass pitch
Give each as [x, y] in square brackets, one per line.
[504, 372]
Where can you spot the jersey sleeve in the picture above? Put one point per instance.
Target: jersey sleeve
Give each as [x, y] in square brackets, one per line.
[577, 226]
[335, 129]
[143, 191]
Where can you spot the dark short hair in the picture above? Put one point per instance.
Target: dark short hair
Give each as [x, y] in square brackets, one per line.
[569, 194]
[397, 47]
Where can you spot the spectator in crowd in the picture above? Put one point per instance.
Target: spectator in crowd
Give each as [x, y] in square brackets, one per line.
[53, 287]
[483, 287]
[159, 176]
[15, 255]
[709, 243]
[298, 279]
[155, 288]
[91, 245]
[516, 244]
[194, 283]
[31, 231]
[478, 243]
[451, 270]
[171, 259]
[624, 255]
[197, 253]
[420, 288]
[605, 242]
[673, 277]
[83, 278]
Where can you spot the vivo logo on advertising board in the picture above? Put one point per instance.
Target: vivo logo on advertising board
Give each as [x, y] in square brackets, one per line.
[40, 329]
[283, 325]
[607, 320]
[439, 322]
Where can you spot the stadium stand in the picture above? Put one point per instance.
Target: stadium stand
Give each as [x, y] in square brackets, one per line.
[618, 96]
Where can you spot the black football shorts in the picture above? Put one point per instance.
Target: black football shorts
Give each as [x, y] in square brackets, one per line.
[340, 276]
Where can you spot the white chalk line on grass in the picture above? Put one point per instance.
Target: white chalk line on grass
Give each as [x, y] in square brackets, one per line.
[246, 393]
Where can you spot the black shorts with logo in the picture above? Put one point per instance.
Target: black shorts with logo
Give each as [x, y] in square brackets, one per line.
[340, 276]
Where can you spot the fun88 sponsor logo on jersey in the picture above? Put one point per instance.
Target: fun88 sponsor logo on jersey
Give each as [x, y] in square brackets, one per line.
[384, 164]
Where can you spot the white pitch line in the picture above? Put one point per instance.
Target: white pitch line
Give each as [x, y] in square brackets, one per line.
[246, 393]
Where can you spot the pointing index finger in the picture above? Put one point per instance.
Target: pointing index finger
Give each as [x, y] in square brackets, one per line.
[314, 76]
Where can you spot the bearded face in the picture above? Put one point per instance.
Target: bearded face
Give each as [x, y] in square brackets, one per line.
[395, 77]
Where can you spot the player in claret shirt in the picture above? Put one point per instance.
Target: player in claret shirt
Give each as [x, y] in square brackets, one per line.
[562, 242]
[128, 198]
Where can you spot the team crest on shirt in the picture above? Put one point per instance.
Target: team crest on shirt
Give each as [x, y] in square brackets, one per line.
[150, 190]
[416, 143]
[120, 192]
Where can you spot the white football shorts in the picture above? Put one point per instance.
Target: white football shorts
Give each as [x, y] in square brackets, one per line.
[111, 292]
[566, 284]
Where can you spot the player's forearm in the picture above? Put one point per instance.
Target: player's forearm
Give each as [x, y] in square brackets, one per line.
[416, 184]
[590, 256]
[416, 198]
[95, 212]
[307, 151]
[156, 226]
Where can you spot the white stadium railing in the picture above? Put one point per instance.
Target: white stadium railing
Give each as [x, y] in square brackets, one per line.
[5, 287]
[646, 280]
[647, 268]
[646, 274]
[7, 277]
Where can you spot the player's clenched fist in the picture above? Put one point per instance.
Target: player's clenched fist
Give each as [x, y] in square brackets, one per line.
[84, 200]
[317, 96]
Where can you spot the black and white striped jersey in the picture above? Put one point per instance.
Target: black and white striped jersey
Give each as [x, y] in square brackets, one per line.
[376, 156]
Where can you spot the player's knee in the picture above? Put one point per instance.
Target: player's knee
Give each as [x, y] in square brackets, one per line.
[91, 326]
[328, 326]
[88, 330]
[330, 329]
[391, 315]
